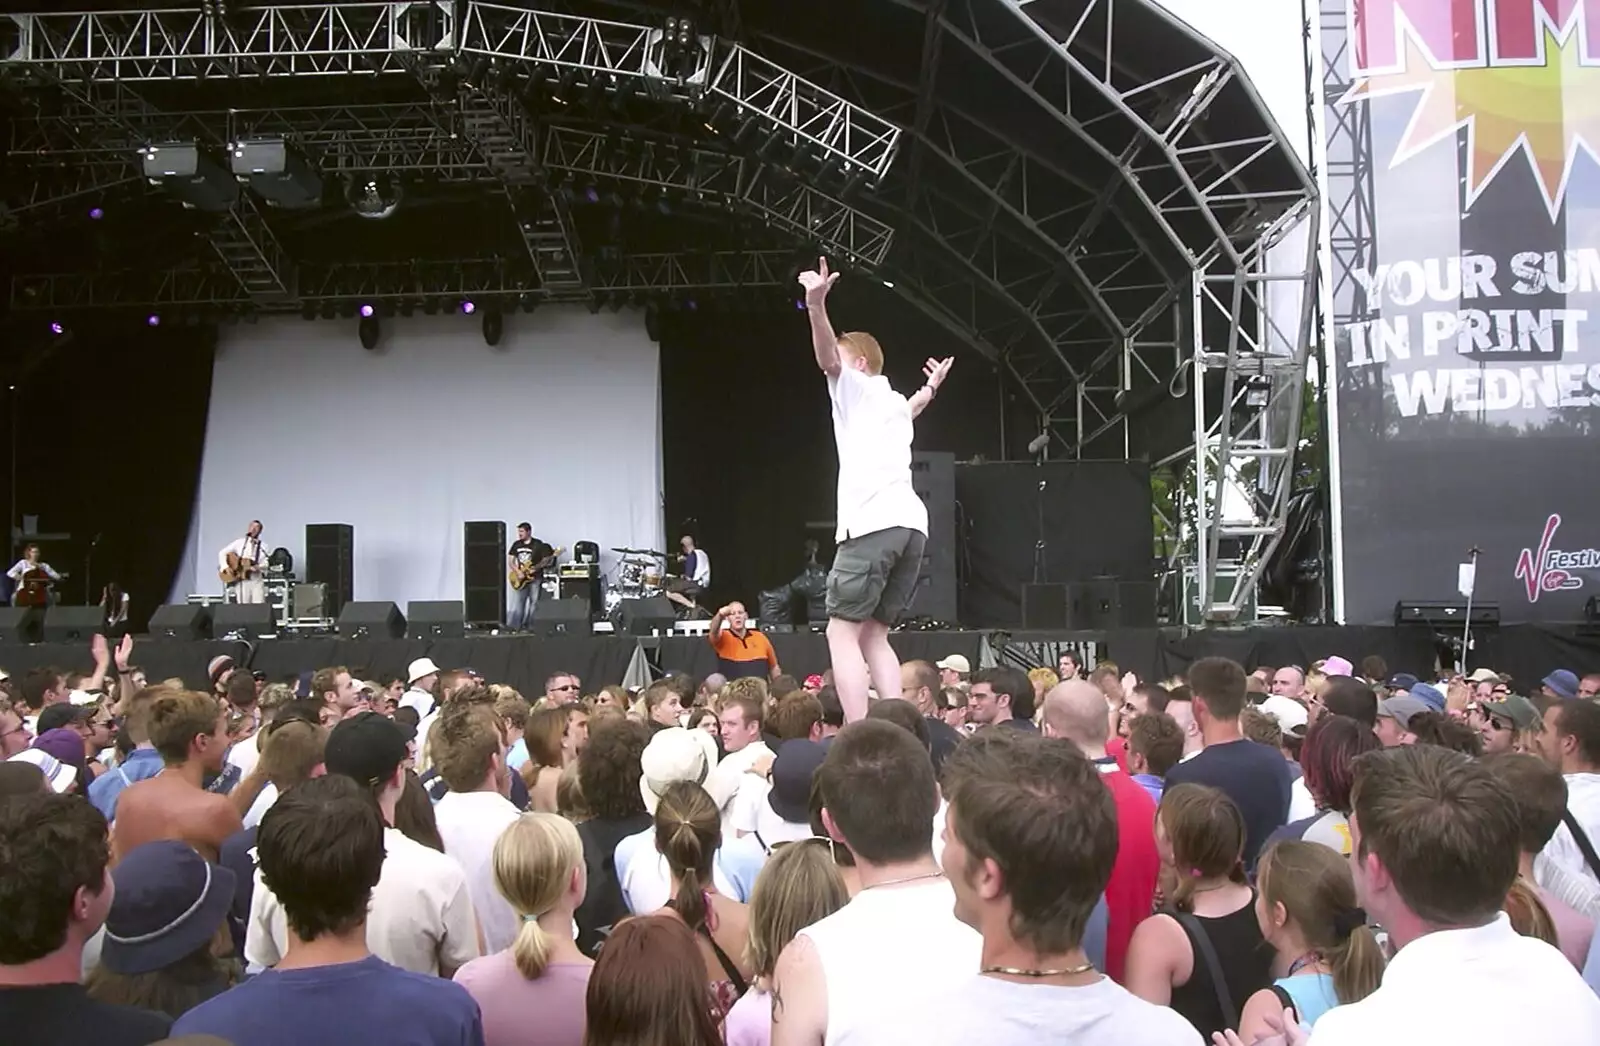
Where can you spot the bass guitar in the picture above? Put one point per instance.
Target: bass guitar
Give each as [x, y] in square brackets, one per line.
[520, 575]
[237, 569]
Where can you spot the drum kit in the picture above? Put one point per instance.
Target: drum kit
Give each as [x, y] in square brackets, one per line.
[641, 573]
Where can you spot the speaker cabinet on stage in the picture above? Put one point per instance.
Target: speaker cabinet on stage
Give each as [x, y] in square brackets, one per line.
[186, 621]
[1108, 603]
[483, 582]
[642, 617]
[72, 624]
[933, 477]
[245, 621]
[1449, 613]
[1044, 607]
[330, 560]
[562, 617]
[436, 619]
[20, 624]
[374, 620]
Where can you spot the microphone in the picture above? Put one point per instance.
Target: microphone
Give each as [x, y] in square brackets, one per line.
[1041, 441]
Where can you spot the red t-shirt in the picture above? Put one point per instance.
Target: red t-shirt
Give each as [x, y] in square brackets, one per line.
[1132, 887]
[1117, 748]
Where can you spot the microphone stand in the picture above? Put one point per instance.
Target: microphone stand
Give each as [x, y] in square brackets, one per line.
[1039, 543]
[88, 587]
[1466, 630]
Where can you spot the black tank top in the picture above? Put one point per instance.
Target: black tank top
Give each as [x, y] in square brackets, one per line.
[1246, 962]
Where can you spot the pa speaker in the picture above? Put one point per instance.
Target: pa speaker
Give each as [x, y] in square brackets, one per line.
[72, 624]
[330, 560]
[642, 617]
[20, 624]
[1445, 613]
[243, 621]
[484, 573]
[187, 621]
[562, 617]
[436, 619]
[377, 620]
[1044, 607]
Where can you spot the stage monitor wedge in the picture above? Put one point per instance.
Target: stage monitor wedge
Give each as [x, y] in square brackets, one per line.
[186, 621]
[72, 624]
[484, 573]
[372, 620]
[436, 619]
[20, 624]
[562, 617]
[243, 621]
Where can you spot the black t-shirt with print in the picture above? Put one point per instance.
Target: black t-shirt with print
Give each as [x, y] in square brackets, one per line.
[529, 552]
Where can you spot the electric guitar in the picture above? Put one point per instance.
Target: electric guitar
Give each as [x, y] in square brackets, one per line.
[520, 576]
[237, 569]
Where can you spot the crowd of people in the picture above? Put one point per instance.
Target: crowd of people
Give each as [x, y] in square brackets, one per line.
[1068, 854]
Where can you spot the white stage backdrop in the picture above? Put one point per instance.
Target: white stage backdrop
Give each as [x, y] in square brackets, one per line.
[559, 425]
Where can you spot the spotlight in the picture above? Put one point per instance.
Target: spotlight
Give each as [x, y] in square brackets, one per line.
[366, 311]
[367, 329]
[152, 320]
[592, 194]
[799, 305]
[374, 198]
[56, 328]
[493, 327]
[1257, 391]
[467, 308]
[95, 214]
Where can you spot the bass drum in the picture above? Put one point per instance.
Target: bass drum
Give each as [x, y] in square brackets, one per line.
[630, 576]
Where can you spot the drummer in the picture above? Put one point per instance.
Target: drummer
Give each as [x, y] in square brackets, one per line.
[686, 589]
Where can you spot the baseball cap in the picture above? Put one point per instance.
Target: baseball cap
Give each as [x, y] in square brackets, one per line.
[1402, 681]
[367, 748]
[1429, 695]
[422, 666]
[674, 754]
[56, 716]
[1337, 666]
[956, 663]
[792, 770]
[87, 697]
[1524, 714]
[814, 682]
[218, 665]
[66, 745]
[1484, 675]
[1562, 683]
[58, 774]
[169, 902]
[1401, 708]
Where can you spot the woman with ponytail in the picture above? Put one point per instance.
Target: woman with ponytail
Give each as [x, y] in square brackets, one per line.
[538, 868]
[1325, 954]
[688, 832]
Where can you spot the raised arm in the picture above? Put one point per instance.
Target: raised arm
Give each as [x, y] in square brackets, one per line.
[824, 342]
[933, 373]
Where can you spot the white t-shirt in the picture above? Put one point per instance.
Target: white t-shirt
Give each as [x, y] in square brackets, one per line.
[1583, 802]
[263, 803]
[897, 943]
[420, 919]
[872, 429]
[470, 824]
[728, 777]
[420, 700]
[977, 1009]
[647, 881]
[245, 755]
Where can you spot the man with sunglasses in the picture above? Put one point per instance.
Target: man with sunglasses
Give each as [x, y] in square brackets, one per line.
[1503, 720]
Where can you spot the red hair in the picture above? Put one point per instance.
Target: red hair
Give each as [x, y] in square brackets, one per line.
[649, 988]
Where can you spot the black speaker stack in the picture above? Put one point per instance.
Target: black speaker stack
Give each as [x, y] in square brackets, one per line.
[484, 573]
[330, 561]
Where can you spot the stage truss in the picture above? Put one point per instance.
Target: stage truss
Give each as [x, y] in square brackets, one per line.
[1103, 219]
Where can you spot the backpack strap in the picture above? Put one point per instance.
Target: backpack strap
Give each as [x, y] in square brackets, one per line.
[1581, 837]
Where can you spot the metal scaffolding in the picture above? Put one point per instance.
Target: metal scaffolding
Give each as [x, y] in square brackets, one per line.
[1112, 224]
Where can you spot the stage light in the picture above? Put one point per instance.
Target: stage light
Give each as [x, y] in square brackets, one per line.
[95, 214]
[374, 198]
[889, 284]
[367, 329]
[592, 194]
[366, 311]
[493, 326]
[467, 308]
[799, 305]
[1257, 391]
[56, 328]
[152, 320]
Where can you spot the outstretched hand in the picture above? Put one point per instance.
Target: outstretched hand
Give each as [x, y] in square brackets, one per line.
[935, 371]
[817, 282]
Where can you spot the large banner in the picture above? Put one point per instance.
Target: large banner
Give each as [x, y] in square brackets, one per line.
[1465, 358]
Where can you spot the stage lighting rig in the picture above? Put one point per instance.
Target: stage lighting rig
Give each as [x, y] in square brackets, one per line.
[493, 326]
[375, 197]
[186, 171]
[277, 173]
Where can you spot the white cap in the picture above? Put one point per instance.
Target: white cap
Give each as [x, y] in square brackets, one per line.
[956, 663]
[60, 775]
[422, 666]
[674, 754]
[1290, 714]
[82, 697]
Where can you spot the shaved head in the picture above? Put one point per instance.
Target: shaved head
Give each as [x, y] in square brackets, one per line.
[1076, 710]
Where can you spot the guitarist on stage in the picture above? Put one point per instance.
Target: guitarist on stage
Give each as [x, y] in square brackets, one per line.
[240, 563]
[525, 559]
[31, 578]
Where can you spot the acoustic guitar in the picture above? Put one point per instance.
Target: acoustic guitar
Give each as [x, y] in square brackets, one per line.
[520, 576]
[237, 569]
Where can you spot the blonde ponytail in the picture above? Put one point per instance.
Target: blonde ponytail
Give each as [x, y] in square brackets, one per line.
[1529, 916]
[1356, 964]
[534, 862]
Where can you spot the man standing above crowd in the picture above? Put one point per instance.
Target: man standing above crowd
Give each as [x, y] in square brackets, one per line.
[55, 892]
[741, 650]
[882, 523]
